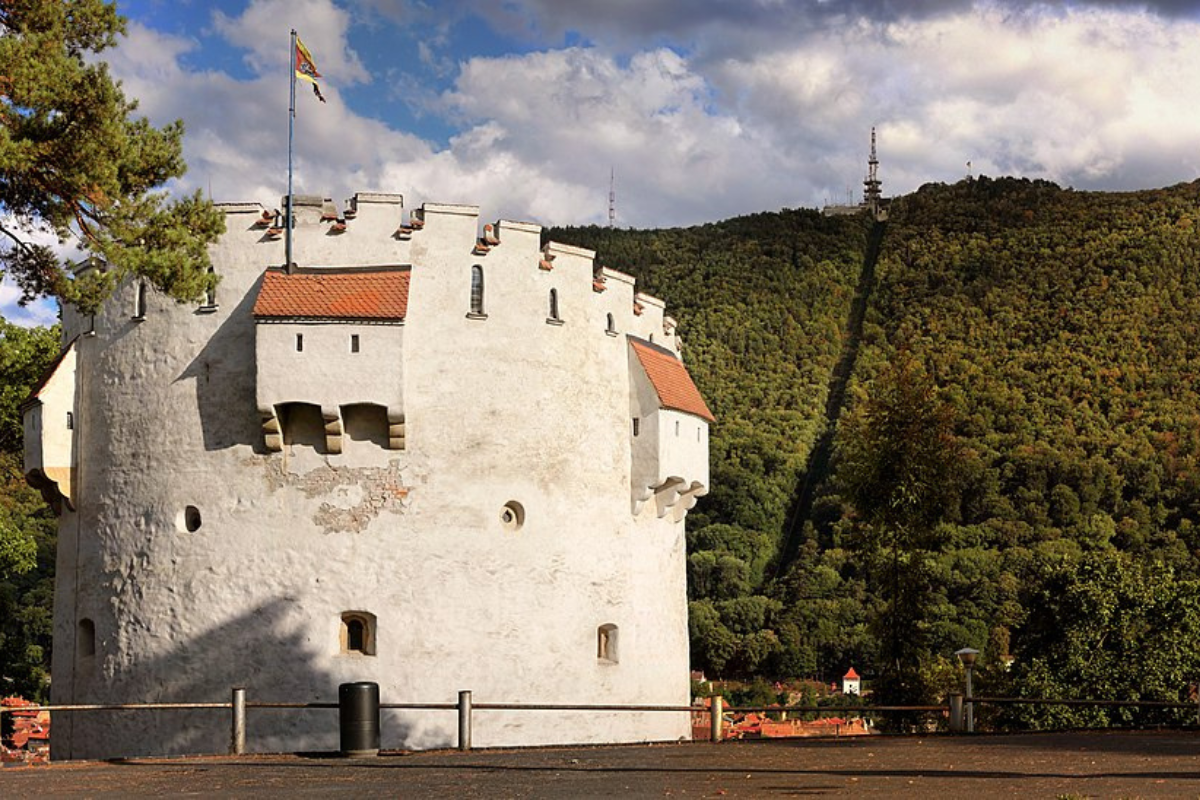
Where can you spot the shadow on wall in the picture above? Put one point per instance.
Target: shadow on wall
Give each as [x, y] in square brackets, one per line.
[268, 650]
[225, 372]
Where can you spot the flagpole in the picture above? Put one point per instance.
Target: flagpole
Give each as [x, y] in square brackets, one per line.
[291, 133]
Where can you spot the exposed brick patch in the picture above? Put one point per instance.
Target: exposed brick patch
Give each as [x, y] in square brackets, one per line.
[382, 489]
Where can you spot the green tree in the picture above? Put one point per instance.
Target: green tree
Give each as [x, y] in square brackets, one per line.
[1107, 627]
[898, 463]
[74, 163]
[27, 526]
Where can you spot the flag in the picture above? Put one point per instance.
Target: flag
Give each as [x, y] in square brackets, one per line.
[306, 69]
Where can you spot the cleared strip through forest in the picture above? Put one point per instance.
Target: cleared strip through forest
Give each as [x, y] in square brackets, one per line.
[817, 468]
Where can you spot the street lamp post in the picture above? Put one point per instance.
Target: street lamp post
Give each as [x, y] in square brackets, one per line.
[967, 656]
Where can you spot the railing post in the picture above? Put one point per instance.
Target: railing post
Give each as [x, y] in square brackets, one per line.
[237, 738]
[956, 712]
[716, 710]
[970, 701]
[464, 720]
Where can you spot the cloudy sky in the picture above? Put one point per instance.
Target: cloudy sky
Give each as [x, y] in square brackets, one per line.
[703, 109]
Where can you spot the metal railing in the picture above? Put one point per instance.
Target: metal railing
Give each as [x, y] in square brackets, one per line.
[465, 707]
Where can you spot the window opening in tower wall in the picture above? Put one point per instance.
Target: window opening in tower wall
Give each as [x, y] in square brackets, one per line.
[355, 635]
[637, 426]
[358, 633]
[299, 342]
[86, 645]
[477, 290]
[606, 643]
[354, 343]
[139, 305]
[210, 294]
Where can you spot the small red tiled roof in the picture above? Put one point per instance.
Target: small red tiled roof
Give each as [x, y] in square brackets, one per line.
[671, 380]
[326, 294]
[851, 675]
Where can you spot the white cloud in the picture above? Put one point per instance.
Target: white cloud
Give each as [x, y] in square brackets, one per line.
[262, 29]
[1085, 97]
[40, 313]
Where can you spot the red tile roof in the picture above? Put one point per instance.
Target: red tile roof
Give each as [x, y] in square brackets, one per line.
[851, 675]
[326, 294]
[671, 380]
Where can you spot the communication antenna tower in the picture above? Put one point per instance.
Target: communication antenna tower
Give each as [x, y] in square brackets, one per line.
[612, 197]
[873, 191]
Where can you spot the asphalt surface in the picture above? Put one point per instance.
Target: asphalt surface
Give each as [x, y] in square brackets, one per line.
[1075, 765]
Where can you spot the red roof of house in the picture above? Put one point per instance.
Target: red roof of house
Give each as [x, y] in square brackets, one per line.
[671, 380]
[327, 294]
[851, 675]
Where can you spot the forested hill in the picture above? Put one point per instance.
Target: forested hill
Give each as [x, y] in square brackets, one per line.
[1016, 470]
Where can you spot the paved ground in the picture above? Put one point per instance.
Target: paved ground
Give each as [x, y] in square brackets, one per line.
[1117, 764]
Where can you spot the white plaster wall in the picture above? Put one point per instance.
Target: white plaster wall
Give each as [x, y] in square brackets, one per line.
[326, 372]
[49, 440]
[507, 408]
[682, 446]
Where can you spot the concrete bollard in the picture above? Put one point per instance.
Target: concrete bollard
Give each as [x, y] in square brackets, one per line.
[464, 720]
[237, 734]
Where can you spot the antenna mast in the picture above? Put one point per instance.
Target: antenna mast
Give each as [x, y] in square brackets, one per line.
[612, 196]
[872, 183]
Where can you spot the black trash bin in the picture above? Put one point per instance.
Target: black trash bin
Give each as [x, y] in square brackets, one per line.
[358, 718]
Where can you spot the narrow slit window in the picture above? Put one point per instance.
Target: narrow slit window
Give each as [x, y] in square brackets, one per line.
[606, 643]
[612, 324]
[86, 640]
[139, 304]
[477, 290]
[554, 304]
[210, 294]
[354, 343]
[676, 427]
[70, 420]
[637, 426]
[299, 342]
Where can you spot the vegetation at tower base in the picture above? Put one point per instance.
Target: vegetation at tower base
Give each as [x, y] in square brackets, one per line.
[27, 526]
[76, 165]
[1059, 328]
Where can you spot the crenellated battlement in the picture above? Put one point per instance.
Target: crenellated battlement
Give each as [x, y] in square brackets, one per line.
[370, 229]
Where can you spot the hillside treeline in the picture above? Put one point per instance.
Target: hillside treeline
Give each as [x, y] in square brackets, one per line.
[1015, 469]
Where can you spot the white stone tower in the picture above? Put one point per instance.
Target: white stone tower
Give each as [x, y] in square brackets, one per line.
[433, 457]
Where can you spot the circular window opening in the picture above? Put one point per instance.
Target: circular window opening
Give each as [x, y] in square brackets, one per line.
[512, 516]
[191, 519]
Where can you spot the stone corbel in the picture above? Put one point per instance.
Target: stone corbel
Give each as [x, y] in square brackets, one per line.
[333, 429]
[666, 495]
[272, 430]
[640, 495]
[687, 501]
[396, 430]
